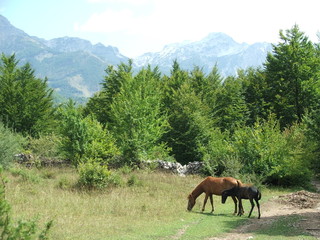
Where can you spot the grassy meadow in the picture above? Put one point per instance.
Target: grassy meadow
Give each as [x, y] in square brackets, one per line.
[152, 206]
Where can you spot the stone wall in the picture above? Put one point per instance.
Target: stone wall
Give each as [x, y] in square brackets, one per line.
[175, 167]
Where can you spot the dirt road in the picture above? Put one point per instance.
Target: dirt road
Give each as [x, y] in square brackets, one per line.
[302, 203]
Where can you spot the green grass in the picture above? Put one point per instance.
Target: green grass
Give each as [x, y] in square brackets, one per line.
[152, 206]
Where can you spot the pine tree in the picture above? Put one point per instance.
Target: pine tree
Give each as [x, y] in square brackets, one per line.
[26, 102]
[254, 90]
[292, 72]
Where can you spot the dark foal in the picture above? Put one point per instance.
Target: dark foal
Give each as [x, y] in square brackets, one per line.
[243, 192]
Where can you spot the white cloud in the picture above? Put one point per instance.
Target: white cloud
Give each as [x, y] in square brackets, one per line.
[154, 23]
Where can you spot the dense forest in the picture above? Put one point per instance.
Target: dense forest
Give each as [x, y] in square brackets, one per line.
[262, 124]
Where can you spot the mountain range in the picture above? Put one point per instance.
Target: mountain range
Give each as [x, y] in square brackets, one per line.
[216, 48]
[75, 67]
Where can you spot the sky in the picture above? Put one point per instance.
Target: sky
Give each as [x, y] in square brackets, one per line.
[139, 26]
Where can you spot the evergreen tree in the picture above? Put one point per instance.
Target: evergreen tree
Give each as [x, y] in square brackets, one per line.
[187, 102]
[254, 87]
[189, 125]
[292, 73]
[26, 102]
[231, 109]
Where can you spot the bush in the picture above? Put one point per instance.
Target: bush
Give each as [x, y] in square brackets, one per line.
[217, 153]
[85, 138]
[278, 157]
[133, 181]
[262, 151]
[93, 175]
[64, 183]
[10, 144]
[312, 130]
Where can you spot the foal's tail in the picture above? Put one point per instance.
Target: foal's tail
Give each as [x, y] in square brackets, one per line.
[259, 195]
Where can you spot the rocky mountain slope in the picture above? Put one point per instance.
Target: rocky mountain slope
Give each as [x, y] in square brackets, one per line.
[216, 48]
[75, 67]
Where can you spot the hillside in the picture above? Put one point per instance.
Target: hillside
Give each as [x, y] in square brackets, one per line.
[75, 67]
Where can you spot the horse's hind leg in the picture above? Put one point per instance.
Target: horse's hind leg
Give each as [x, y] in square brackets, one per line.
[258, 205]
[211, 201]
[252, 206]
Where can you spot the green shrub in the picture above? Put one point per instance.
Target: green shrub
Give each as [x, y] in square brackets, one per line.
[312, 130]
[10, 144]
[263, 151]
[278, 157]
[217, 152]
[133, 181]
[84, 138]
[64, 183]
[93, 175]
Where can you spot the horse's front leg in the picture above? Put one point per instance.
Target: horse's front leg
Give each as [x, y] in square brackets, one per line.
[211, 200]
[241, 211]
[205, 202]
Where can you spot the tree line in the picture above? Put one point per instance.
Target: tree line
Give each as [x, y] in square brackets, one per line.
[262, 123]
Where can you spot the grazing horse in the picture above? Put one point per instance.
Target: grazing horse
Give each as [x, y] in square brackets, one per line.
[210, 186]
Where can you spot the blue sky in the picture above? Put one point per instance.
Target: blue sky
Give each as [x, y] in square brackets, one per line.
[139, 26]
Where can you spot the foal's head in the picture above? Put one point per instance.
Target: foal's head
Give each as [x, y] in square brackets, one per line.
[191, 202]
[224, 196]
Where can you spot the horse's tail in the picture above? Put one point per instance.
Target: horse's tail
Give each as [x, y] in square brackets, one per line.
[259, 195]
[239, 183]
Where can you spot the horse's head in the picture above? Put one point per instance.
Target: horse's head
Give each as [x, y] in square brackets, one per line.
[191, 202]
[224, 196]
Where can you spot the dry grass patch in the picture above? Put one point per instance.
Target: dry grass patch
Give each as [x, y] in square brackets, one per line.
[143, 210]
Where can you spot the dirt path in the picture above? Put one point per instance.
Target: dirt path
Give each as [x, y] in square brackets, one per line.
[301, 203]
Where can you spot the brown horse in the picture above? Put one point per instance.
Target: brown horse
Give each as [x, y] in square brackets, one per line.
[210, 186]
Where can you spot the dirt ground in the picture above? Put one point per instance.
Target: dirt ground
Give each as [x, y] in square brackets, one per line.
[302, 203]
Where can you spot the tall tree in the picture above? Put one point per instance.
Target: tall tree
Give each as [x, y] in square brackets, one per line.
[292, 72]
[254, 90]
[231, 109]
[26, 102]
[100, 104]
[187, 102]
[137, 118]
